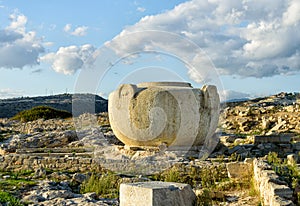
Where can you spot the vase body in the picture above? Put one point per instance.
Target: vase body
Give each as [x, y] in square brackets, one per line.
[156, 113]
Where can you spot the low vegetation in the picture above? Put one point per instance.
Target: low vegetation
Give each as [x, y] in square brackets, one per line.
[105, 185]
[288, 171]
[211, 182]
[12, 184]
[9, 200]
[41, 112]
[16, 180]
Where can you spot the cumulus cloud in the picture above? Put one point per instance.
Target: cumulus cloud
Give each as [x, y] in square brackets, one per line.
[68, 28]
[9, 36]
[78, 31]
[68, 60]
[245, 38]
[18, 47]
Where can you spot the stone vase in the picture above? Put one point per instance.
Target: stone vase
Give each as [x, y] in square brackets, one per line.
[158, 113]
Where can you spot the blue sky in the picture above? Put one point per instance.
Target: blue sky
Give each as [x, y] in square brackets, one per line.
[251, 48]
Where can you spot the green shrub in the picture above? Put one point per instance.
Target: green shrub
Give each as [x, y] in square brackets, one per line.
[2, 138]
[41, 112]
[105, 185]
[10, 200]
[172, 175]
[205, 198]
[288, 172]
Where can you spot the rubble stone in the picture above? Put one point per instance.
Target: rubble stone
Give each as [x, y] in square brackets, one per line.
[157, 194]
[272, 139]
[239, 170]
[272, 190]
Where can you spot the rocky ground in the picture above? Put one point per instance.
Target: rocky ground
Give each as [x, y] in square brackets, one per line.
[61, 154]
[275, 114]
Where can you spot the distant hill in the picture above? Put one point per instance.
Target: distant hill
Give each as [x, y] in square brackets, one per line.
[280, 99]
[237, 100]
[80, 102]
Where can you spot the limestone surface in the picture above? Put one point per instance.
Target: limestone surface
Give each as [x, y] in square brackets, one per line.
[156, 194]
[171, 113]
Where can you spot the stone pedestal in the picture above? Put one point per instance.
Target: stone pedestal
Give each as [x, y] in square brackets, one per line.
[156, 194]
[163, 113]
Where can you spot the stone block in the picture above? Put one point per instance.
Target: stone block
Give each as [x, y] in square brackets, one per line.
[156, 194]
[249, 160]
[292, 159]
[296, 146]
[237, 149]
[272, 139]
[238, 170]
[279, 201]
[281, 190]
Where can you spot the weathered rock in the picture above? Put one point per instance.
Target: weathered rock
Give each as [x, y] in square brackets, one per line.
[40, 172]
[272, 139]
[48, 193]
[237, 149]
[276, 127]
[150, 114]
[38, 140]
[212, 194]
[79, 178]
[296, 146]
[272, 190]
[157, 194]
[292, 159]
[239, 170]
[263, 115]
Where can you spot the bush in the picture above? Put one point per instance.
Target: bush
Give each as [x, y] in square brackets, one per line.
[105, 185]
[10, 200]
[41, 112]
[290, 173]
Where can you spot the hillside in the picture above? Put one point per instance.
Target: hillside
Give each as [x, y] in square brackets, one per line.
[10, 107]
[278, 113]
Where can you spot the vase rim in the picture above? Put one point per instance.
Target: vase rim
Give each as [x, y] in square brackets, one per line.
[173, 84]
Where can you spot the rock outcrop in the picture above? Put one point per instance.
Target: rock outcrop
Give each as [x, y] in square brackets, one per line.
[275, 114]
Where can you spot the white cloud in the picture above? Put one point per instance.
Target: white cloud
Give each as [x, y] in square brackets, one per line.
[10, 93]
[9, 36]
[48, 44]
[141, 9]
[68, 27]
[247, 38]
[79, 31]
[18, 23]
[19, 47]
[68, 60]
[292, 15]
